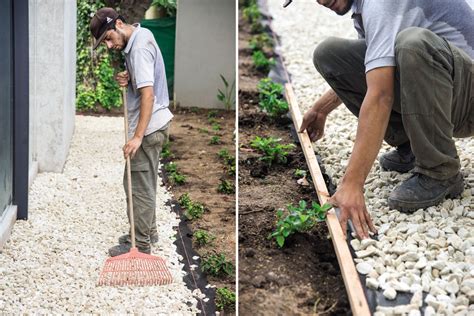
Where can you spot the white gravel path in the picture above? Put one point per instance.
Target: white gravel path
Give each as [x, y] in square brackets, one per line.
[430, 251]
[52, 262]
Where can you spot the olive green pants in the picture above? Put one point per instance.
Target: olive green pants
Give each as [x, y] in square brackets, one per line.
[434, 94]
[144, 169]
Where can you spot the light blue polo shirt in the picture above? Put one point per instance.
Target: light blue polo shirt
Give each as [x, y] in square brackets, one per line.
[145, 67]
[379, 22]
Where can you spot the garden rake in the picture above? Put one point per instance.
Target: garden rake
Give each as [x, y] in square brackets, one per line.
[134, 267]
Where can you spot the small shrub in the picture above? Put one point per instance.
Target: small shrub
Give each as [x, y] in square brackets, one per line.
[184, 200]
[216, 127]
[260, 41]
[215, 140]
[166, 151]
[226, 187]
[171, 167]
[300, 173]
[194, 210]
[217, 265]
[251, 13]
[225, 299]
[299, 219]
[261, 62]
[174, 175]
[202, 237]
[271, 149]
[271, 98]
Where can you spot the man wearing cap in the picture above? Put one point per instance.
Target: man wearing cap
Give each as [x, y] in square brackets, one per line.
[149, 117]
[409, 78]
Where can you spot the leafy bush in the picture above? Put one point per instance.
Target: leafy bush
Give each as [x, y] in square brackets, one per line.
[202, 237]
[260, 41]
[299, 219]
[270, 94]
[261, 62]
[271, 149]
[217, 265]
[193, 209]
[168, 5]
[226, 187]
[225, 299]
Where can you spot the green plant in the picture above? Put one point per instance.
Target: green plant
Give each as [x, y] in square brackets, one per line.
[166, 151]
[271, 149]
[300, 219]
[216, 127]
[300, 173]
[260, 41]
[174, 175]
[204, 130]
[215, 140]
[226, 187]
[270, 94]
[217, 265]
[212, 114]
[171, 167]
[184, 200]
[202, 237]
[251, 13]
[261, 62]
[168, 5]
[226, 95]
[193, 209]
[225, 299]
[223, 154]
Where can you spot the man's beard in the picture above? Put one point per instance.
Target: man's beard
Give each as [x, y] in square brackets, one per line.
[346, 8]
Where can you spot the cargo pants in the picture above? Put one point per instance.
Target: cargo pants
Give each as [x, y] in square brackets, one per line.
[144, 170]
[434, 94]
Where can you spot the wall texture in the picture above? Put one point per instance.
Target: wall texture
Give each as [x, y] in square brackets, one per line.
[52, 26]
[205, 48]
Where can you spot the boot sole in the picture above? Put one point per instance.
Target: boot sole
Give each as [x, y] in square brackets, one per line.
[388, 165]
[410, 207]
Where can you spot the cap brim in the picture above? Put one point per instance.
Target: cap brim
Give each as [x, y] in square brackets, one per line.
[99, 40]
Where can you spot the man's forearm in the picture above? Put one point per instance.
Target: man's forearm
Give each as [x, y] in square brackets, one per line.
[373, 121]
[328, 102]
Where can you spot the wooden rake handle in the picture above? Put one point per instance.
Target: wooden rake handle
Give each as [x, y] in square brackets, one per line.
[129, 171]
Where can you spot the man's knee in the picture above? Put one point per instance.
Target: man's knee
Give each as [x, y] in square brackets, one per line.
[323, 55]
[413, 39]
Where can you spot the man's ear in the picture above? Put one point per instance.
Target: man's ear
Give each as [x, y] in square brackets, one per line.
[119, 23]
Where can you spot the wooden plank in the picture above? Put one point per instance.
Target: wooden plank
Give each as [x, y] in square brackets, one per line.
[352, 282]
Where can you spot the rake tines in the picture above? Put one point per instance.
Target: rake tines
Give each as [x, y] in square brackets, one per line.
[135, 268]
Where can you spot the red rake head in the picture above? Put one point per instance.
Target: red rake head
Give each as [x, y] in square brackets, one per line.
[135, 268]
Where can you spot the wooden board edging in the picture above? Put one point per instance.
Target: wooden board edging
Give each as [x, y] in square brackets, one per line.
[349, 273]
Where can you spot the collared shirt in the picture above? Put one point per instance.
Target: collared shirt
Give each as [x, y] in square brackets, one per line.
[379, 22]
[146, 68]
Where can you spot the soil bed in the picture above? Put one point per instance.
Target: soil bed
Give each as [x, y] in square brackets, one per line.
[303, 277]
[190, 135]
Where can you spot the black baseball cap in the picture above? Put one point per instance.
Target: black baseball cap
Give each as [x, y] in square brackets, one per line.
[102, 21]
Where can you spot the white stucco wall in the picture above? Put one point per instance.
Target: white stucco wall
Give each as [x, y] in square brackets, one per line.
[205, 48]
[52, 27]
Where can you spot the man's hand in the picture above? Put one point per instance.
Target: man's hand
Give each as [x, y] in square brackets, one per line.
[350, 200]
[122, 78]
[314, 122]
[131, 147]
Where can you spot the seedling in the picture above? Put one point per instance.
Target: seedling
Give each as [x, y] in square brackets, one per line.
[215, 140]
[261, 62]
[217, 265]
[203, 130]
[223, 154]
[193, 209]
[299, 219]
[226, 187]
[300, 173]
[202, 237]
[171, 167]
[271, 149]
[260, 41]
[166, 151]
[271, 98]
[229, 161]
[216, 127]
[184, 200]
[251, 13]
[226, 95]
[212, 114]
[225, 299]
[174, 175]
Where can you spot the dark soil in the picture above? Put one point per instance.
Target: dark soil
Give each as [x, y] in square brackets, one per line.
[303, 277]
[190, 135]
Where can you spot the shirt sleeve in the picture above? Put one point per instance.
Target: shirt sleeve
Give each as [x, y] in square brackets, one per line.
[382, 22]
[143, 61]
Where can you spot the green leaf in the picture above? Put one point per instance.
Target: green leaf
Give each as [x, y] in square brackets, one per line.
[280, 241]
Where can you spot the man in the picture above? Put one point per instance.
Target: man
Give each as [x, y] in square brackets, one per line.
[410, 80]
[149, 117]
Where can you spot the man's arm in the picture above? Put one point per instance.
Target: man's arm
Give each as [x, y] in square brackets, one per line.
[146, 107]
[373, 120]
[315, 118]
